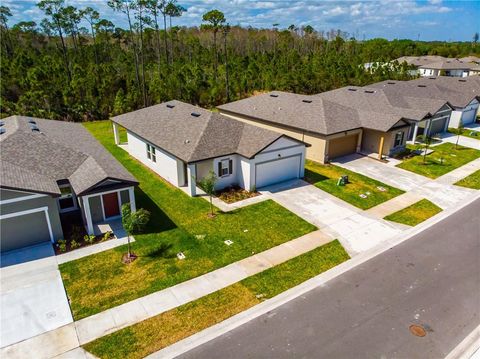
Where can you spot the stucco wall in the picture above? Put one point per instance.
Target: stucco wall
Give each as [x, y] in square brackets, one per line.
[24, 205]
[166, 165]
[371, 141]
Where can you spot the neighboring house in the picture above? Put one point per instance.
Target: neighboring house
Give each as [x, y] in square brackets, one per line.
[472, 59]
[339, 122]
[183, 143]
[49, 168]
[463, 94]
[432, 65]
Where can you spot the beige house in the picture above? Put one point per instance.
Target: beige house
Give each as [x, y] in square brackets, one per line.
[337, 123]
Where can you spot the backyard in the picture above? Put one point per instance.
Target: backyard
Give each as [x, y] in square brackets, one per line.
[139, 340]
[415, 214]
[178, 223]
[472, 181]
[326, 177]
[443, 159]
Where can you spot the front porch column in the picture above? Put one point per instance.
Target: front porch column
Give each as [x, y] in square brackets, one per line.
[131, 194]
[428, 124]
[192, 183]
[415, 131]
[380, 149]
[116, 133]
[88, 216]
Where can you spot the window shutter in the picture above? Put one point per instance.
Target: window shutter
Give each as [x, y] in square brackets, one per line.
[230, 167]
[220, 169]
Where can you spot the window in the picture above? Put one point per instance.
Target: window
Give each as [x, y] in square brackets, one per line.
[399, 138]
[151, 153]
[225, 167]
[66, 201]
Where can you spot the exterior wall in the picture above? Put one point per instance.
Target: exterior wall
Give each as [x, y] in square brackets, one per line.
[315, 152]
[371, 141]
[32, 203]
[167, 166]
[236, 178]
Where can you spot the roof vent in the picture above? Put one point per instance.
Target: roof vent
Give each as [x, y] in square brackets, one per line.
[421, 86]
[369, 91]
[273, 95]
[307, 101]
[186, 142]
[462, 80]
[32, 121]
[391, 83]
[2, 130]
[2, 123]
[352, 89]
[34, 127]
[169, 105]
[195, 114]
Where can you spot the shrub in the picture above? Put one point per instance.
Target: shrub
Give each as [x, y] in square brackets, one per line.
[74, 244]
[89, 238]
[62, 245]
[107, 236]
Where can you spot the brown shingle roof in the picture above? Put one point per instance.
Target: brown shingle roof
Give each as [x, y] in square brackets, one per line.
[172, 127]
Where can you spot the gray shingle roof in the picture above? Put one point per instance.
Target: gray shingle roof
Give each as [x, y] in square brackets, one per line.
[172, 127]
[448, 64]
[334, 111]
[35, 161]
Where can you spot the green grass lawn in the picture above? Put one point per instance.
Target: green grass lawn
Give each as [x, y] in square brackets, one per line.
[467, 133]
[444, 159]
[325, 177]
[472, 181]
[178, 223]
[139, 340]
[415, 214]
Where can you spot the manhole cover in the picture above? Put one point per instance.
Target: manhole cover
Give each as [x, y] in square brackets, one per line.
[417, 330]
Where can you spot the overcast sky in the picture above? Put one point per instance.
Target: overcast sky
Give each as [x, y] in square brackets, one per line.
[428, 20]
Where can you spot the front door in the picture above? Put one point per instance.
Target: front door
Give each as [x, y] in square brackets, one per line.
[110, 204]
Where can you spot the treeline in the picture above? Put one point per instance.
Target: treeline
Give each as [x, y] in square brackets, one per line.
[76, 65]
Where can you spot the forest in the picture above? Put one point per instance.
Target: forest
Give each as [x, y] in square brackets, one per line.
[76, 65]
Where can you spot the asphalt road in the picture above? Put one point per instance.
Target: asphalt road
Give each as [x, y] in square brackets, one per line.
[432, 280]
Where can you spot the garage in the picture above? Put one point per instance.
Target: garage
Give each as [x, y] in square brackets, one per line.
[342, 146]
[438, 126]
[16, 234]
[278, 170]
[468, 117]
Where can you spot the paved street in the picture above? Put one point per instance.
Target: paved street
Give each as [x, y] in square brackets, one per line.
[431, 280]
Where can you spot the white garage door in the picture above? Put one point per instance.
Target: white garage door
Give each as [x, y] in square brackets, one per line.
[469, 116]
[24, 230]
[276, 171]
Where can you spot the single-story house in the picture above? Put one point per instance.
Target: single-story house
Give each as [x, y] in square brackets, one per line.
[184, 143]
[434, 65]
[339, 122]
[50, 168]
[463, 94]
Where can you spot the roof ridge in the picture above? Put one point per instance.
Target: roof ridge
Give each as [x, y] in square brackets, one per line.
[202, 134]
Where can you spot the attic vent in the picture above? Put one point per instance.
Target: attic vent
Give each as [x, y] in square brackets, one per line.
[432, 78]
[169, 105]
[369, 91]
[187, 141]
[2, 123]
[391, 83]
[34, 127]
[352, 89]
[195, 114]
[273, 95]
[2, 130]
[32, 121]
[307, 101]
[462, 80]
[421, 86]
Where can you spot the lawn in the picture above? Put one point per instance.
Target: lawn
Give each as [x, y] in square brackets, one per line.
[444, 159]
[179, 223]
[325, 177]
[139, 340]
[415, 214]
[472, 181]
[466, 132]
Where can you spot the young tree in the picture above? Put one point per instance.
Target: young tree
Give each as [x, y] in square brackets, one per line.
[427, 141]
[208, 185]
[458, 132]
[133, 222]
[215, 20]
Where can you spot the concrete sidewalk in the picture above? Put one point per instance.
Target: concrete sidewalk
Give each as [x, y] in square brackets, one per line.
[460, 173]
[395, 204]
[67, 338]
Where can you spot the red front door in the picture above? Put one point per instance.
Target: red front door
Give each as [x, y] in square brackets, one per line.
[110, 204]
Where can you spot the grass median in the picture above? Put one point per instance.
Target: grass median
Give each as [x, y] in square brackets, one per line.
[415, 214]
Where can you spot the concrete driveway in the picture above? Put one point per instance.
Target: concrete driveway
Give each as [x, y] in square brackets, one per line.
[33, 299]
[356, 229]
[463, 140]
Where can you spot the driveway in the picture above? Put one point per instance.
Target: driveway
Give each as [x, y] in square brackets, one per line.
[33, 299]
[355, 229]
[444, 195]
[463, 141]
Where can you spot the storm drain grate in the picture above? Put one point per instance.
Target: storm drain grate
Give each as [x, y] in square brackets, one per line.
[417, 330]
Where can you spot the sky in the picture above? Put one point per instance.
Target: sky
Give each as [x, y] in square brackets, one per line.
[391, 19]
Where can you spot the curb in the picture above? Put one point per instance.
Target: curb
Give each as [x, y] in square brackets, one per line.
[467, 347]
[231, 323]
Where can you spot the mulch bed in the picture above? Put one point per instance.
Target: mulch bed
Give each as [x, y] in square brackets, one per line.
[234, 194]
[77, 235]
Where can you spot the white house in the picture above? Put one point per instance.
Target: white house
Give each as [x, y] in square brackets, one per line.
[183, 143]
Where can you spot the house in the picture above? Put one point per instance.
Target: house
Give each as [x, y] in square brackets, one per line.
[183, 143]
[51, 168]
[339, 122]
[433, 65]
[463, 94]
